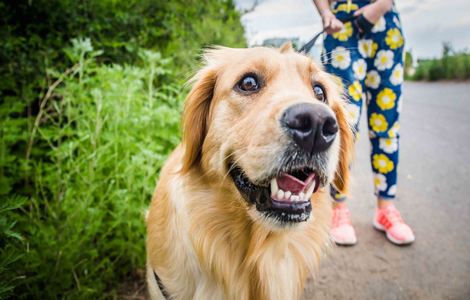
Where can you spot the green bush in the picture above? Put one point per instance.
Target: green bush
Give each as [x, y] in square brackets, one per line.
[85, 126]
[111, 131]
[452, 65]
[34, 33]
[10, 241]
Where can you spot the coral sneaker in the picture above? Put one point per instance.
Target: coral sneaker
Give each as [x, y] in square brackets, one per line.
[342, 231]
[388, 219]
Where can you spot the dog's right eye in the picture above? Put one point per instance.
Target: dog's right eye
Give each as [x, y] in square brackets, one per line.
[319, 93]
[248, 84]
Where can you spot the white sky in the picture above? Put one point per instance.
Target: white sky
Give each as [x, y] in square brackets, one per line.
[426, 23]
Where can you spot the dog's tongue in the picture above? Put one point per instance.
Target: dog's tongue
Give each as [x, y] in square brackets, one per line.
[290, 183]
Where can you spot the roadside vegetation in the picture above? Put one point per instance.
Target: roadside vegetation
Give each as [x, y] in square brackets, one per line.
[90, 102]
[453, 65]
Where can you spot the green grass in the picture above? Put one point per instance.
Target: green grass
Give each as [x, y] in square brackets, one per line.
[85, 126]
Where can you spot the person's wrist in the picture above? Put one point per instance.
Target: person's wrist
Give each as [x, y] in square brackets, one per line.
[374, 12]
[326, 13]
[388, 5]
[383, 6]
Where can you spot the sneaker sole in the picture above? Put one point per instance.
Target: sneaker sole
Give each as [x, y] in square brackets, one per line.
[342, 243]
[389, 237]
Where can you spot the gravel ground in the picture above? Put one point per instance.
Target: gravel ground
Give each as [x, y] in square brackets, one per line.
[434, 175]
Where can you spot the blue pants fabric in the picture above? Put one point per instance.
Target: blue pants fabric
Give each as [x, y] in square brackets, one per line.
[371, 69]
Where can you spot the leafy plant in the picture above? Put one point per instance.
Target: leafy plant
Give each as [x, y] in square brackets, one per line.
[452, 65]
[85, 126]
[109, 131]
[10, 242]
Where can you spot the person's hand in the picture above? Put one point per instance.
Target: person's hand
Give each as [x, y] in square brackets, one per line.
[330, 23]
[374, 11]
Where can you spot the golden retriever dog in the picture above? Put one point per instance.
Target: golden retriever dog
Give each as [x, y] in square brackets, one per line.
[242, 207]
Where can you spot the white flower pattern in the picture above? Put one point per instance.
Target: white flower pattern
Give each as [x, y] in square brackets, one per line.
[384, 60]
[400, 104]
[379, 26]
[367, 48]
[396, 78]
[341, 58]
[393, 132]
[373, 79]
[369, 98]
[388, 145]
[397, 22]
[392, 191]
[380, 182]
[353, 113]
[359, 68]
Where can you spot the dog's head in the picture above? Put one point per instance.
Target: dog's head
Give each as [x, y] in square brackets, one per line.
[270, 122]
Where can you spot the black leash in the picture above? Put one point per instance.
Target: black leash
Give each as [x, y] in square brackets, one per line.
[306, 48]
[362, 23]
[161, 287]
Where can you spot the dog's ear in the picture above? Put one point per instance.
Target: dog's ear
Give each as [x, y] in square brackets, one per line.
[341, 180]
[286, 47]
[195, 116]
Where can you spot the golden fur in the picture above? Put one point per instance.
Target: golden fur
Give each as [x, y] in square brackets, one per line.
[203, 239]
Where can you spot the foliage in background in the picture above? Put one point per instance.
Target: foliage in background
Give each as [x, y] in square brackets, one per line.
[408, 64]
[111, 131]
[452, 65]
[85, 125]
[11, 241]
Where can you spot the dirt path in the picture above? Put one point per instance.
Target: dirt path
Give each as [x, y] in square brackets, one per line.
[434, 197]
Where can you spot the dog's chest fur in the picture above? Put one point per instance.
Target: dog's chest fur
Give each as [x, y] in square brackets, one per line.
[204, 246]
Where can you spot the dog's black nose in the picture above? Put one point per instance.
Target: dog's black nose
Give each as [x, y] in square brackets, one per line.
[312, 126]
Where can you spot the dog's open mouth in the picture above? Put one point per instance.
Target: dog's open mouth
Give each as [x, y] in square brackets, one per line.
[286, 198]
[295, 187]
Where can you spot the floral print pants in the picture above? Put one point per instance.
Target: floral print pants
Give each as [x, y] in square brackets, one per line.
[371, 69]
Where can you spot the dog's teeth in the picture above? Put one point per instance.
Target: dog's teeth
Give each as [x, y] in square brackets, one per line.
[287, 195]
[310, 190]
[302, 196]
[280, 195]
[294, 198]
[274, 187]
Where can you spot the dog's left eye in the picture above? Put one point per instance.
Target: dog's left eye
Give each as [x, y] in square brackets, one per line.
[319, 93]
[248, 84]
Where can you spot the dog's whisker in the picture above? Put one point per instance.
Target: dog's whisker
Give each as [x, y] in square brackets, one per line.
[232, 166]
[323, 54]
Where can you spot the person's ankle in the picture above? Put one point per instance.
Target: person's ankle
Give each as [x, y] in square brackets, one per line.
[384, 203]
[339, 204]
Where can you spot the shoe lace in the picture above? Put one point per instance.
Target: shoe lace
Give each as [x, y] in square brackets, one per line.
[341, 216]
[393, 215]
